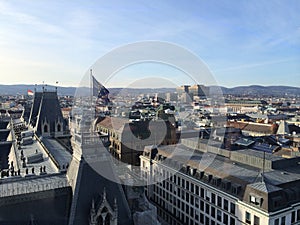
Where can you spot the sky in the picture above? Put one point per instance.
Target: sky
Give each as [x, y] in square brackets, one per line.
[241, 42]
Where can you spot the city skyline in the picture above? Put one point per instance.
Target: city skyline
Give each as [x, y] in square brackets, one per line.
[241, 43]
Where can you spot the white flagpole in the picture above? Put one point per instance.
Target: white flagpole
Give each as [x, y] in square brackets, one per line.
[91, 86]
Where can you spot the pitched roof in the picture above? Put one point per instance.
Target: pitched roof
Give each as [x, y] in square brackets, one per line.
[254, 127]
[35, 108]
[114, 123]
[89, 183]
[264, 187]
[49, 109]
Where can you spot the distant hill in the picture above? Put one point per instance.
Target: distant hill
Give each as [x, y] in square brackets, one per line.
[22, 89]
[253, 90]
[257, 90]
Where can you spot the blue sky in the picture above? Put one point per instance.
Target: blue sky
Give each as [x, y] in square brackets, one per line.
[242, 42]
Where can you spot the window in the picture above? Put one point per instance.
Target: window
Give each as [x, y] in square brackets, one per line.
[283, 220]
[225, 218]
[201, 205]
[202, 193]
[248, 218]
[225, 204]
[187, 197]
[208, 195]
[276, 221]
[207, 208]
[298, 215]
[45, 128]
[256, 220]
[58, 127]
[232, 208]
[219, 215]
[232, 221]
[255, 200]
[197, 203]
[213, 198]
[187, 208]
[197, 190]
[293, 218]
[206, 220]
[212, 212]
[201, 218]
[219, 201]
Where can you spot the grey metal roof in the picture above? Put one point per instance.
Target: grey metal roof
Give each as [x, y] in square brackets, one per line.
[32, 149]
[61, 155]
[264, 187]
[218, 165]
[278, 177]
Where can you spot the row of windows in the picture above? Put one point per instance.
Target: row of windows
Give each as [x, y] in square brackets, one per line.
[195, 218]
[190, 189]
[192, 207]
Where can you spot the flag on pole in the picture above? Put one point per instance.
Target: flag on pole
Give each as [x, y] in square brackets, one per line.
[30, 92]
[98, 89]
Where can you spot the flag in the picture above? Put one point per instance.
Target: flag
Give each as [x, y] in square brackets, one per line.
[29, 92]
[98, 89]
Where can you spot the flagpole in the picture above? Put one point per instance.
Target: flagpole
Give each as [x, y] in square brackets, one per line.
[91, 87]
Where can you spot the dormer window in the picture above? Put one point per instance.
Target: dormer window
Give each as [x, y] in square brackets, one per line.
[255, 200]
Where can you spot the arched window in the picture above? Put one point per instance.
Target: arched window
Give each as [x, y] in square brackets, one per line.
[45, 128]
[58, 127]
[105, 217]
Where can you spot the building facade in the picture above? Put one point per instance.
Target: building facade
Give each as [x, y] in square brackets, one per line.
[222, 192]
